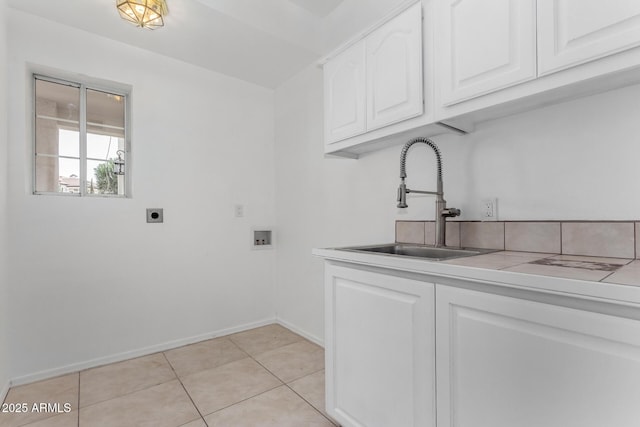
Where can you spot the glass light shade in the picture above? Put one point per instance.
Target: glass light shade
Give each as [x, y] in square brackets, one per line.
[143, 13]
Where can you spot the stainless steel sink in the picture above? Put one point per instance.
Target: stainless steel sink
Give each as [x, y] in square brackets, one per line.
[420, 251]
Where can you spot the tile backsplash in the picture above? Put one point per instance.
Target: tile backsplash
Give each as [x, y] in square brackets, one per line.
[612, 239]
[453, 233]
[533, 237]
[488, 235]
[616, 239]
[410, 232]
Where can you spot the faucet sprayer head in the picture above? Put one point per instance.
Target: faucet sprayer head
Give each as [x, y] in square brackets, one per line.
[402, 196]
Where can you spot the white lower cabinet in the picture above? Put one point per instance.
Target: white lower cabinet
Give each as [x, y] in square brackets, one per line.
[505, 362]
[396, 345]
[379, 342]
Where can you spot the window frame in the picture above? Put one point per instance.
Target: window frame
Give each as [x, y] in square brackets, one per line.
[83, 86]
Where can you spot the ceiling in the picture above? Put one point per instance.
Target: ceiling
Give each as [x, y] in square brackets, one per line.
[261, 41]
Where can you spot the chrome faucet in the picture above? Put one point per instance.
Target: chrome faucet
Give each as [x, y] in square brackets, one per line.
[442, 212]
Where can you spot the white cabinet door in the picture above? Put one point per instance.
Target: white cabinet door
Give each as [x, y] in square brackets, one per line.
[576, 31]
[344, 94]
[394, 70]
[483, 46]
[379, 343]
[505, 362]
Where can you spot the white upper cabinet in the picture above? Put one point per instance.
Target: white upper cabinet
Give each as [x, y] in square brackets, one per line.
[483, 46]
[500, 57]
[394, 70]
[344, 92]
[379, 88]
[434, 66]
[572, 32]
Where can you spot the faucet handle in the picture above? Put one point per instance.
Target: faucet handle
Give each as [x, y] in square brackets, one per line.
[450, 212]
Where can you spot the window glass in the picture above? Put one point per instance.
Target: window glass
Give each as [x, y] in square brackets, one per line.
[56, 108]
[76, 146]
[105, 113]
[69, 143]
[69, 181]
[101, 178]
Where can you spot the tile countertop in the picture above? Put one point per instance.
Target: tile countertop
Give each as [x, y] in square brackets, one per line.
[615, 279]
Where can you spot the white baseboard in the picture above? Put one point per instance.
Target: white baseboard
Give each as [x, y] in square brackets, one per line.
[4, 390]
[299, 331]
[75, 367]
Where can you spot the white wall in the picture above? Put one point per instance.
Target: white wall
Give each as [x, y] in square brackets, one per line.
[91, 280]
[577, 160]
[335, 202]
[4, 359]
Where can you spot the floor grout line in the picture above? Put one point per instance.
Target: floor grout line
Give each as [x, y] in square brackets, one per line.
[248, 398]
[128, 393]
[268, 370]
[108, 364]
[185, 390]
[309, 403]
[179, 379]
[250, 356]
[296, 379]
[283, 383]
[302, 397]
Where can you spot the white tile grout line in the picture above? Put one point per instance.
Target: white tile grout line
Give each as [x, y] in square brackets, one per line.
[185, 390]
[124, 394]
[282, 383]
[287, 385]
[134, 354]
[278, 378]
[248, 398]
[302, 397]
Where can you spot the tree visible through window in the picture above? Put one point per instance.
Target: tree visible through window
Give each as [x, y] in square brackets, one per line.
[79, 132]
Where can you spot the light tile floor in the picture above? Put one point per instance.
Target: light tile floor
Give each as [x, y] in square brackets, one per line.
[263, 377]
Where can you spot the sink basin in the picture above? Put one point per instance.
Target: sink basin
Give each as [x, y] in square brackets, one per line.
[420, 251]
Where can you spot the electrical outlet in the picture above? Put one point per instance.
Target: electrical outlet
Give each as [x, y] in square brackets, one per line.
[238, 211]
[155, 215]
[489, 210]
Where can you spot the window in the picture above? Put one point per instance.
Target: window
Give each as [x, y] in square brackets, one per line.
[80, 139]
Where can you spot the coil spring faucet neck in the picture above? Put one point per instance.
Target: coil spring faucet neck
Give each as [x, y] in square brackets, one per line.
[442, 213]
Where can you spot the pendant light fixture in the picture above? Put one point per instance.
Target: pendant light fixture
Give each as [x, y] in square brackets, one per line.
[143, 13]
